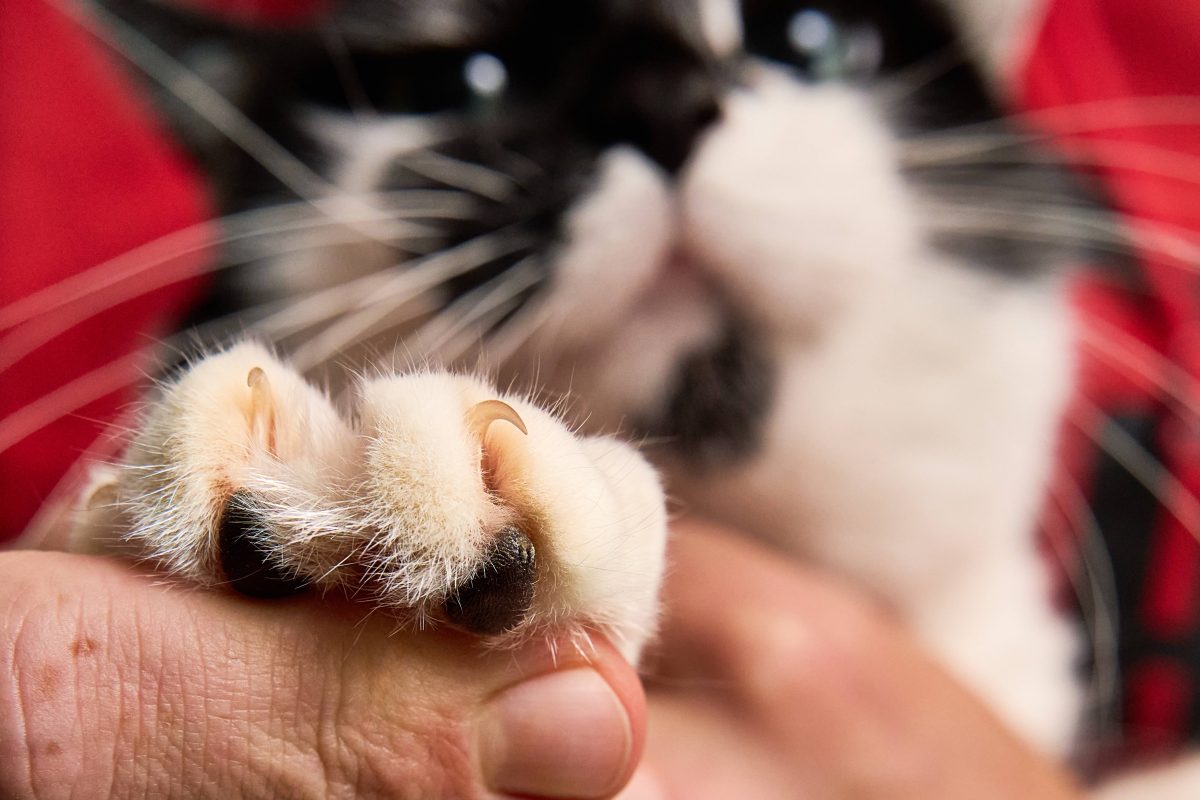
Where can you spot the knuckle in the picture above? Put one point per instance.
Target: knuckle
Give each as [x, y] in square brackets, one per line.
[787, 654]
[380, 758]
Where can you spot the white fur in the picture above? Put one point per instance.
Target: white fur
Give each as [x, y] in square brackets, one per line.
[199, 443]
[721, 22]
[617, 240]
[619, 320]
[1000, 34]
[907, 449]
[1178, 780]
[399, 503]
[795, 260]
[914, 416]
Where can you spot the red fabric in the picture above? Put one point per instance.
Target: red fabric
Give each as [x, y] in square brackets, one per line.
[85, 175]
[1108, 76]
[272, 12]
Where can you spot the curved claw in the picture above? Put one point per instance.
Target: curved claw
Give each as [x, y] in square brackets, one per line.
[481, 416]
[262, 408]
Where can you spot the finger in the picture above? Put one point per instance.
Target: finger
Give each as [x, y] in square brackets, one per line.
[825, 680]
[112, 679]
[727, 597]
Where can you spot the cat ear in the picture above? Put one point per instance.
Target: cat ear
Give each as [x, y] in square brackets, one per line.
[1000, 34]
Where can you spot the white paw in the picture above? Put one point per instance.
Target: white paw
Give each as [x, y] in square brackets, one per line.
[436, 496]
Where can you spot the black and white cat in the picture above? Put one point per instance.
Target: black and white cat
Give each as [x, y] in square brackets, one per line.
[746, 237]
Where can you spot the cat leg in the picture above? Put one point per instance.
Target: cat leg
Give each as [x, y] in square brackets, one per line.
[443, 500]
[486, 511]
[236, 459]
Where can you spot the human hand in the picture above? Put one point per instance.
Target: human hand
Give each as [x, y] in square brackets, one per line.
[113, 685]
[775, 681]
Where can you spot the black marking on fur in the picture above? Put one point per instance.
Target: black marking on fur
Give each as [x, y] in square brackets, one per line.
[496, 598]
[909, 34]
[649, 89]
[719, 403]
[246, 564]
[1013, 188]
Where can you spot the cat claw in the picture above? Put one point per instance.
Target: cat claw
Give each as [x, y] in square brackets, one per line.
[481, 416]
[262, 408]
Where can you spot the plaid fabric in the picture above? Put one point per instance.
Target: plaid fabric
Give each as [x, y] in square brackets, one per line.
[86, 175]
[1106, 77]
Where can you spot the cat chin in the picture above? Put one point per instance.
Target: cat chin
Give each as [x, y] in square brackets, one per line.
[654, 273]
[794, 203]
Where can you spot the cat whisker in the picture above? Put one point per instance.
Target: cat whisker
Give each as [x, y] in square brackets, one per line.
[1089, 568]
[160, 271]
[199, 238]
[1124, 351]
[522, 169]
[209, 104]
[947, 152]
[507, 339]
[416, 277]
[297, 314]
[1149, 472]
[435, 334]
[1069, 226]
[473, 178]
[352, 86]
[124, 372]
[1095, 116]
[70, 397]
[471, 340]
[907, 82]
[982, 225]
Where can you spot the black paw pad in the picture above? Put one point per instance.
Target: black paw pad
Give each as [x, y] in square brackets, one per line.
[243, 559]
[496, 598]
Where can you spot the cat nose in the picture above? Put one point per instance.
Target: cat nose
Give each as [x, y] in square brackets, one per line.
[657, 96]
[497, 597]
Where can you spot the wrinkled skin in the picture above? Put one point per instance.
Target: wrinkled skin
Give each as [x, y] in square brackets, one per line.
[116, 685]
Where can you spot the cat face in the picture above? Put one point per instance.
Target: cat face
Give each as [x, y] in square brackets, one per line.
[649, 204]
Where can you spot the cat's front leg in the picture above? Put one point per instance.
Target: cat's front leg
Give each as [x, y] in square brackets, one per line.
[238, 471]
[462, 483]
[436, 498]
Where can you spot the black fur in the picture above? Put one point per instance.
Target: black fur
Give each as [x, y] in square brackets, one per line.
[498, 596]
[245, 564]
[582, 76]
[718, 403]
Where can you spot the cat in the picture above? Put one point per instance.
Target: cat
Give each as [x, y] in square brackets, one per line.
[731, 235]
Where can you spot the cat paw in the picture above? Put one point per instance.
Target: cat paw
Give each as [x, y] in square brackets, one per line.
[434, 495]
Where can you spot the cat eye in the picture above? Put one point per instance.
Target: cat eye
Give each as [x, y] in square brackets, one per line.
[816, 44]
[469, 81]
[418, 83]
[486, 75]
